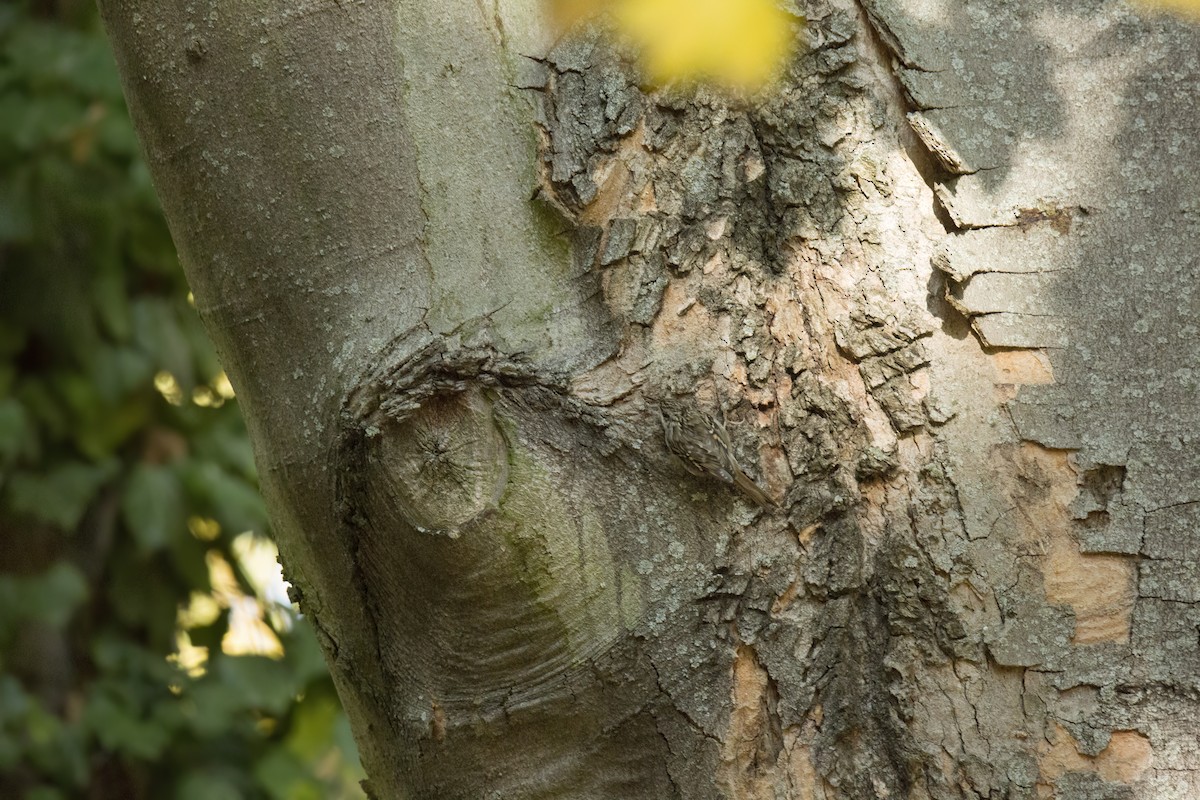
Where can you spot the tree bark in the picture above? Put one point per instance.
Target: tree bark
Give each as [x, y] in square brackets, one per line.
[901, 279]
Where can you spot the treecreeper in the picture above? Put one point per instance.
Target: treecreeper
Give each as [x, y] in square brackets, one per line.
[702, 443]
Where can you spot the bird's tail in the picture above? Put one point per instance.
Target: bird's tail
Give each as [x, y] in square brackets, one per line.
[752, 490]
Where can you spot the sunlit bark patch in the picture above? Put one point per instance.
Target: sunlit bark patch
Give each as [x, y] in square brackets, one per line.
[1126, 758]
[1098, 588]
[750, 756]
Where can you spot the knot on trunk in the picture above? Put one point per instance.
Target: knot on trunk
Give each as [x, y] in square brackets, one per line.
[443, 466]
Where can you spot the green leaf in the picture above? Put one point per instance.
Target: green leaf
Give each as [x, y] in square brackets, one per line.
[187, 556]
[14, 706]
[98, 426]
[207, 785]
[54, 747]
[283, 777]
[143, 597]
[230, 447]
[119, 371]
[207, 365]
[60, 495]
[210, 636]
[11, 752]
[12, 339]
[58, 57]
[116, 135]
[78, 393]
[45, 793]
[100, 438]
[152, 506]
[36, 397]
[111, 300]
[313, 724]
[303, 654]
[50, 598]
[210, 709]
[157, 332]
[260, 682]
[32, 125]
[15, 430]
[9, 17]
[119, 727]
[16, 207]
[14, 702]
[149, 241]
[114, 655]
[234, 502]
[53, 596]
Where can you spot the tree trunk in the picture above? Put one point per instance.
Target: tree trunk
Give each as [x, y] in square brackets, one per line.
[939, 287]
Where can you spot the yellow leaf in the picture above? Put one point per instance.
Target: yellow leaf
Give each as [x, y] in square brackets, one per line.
[737, 44]
[566, 13]
[1188, 7]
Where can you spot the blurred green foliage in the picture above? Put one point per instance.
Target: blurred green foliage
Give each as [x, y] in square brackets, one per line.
[124, 472]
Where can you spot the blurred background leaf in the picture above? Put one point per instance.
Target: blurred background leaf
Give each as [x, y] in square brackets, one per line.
[737, 45]
[147, 649]
[1186, 8]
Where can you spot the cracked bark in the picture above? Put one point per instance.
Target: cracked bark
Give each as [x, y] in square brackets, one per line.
[978, 583]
